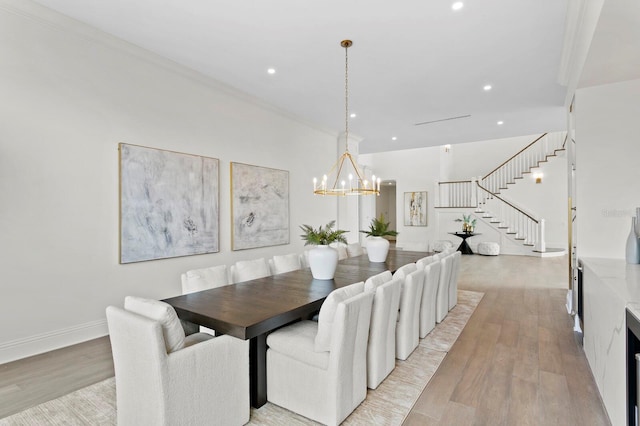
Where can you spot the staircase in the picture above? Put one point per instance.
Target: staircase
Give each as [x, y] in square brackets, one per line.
[482, 195]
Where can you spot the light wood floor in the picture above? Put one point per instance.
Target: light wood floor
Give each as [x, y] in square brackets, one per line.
[516, 363]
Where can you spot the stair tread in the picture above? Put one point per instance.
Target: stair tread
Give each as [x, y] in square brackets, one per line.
[511, 233]
[520, 239]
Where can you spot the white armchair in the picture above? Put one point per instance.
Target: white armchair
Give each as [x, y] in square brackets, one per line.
[324, 386]
[429, 296]
[205, 278]
[342, 250]
[354, 249]
[442, 296]
[408, 325]
[247, 270]
[381, 350]
[280, 264]
[203, 380]
[453, 281]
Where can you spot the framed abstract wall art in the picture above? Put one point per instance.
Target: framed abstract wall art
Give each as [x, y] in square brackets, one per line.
[415, 208]
[259, 206]
[169, 204]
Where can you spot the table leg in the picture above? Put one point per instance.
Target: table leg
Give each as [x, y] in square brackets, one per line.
[258, 370]
[464, 247]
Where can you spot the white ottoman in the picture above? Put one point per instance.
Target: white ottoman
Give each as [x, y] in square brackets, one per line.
[442, 245]
[488, 248]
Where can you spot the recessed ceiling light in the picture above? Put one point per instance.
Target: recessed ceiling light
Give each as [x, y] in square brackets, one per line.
[394, 138]
[271, 70]
[500, 123]
[487, 87]
[457, 5]
[353, 115]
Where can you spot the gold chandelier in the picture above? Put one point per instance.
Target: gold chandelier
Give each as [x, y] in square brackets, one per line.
[345, 177]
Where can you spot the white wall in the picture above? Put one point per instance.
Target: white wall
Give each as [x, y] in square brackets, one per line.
[607, 167]
[69, 95]
[479, 159]
[413, 170]
[547, 200]
[422, 169]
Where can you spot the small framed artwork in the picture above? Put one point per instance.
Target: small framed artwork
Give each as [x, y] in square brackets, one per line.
[415, 208]
[259, 206]
[168, 204]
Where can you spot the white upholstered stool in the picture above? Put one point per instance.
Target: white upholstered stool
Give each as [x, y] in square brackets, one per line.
[488, 248]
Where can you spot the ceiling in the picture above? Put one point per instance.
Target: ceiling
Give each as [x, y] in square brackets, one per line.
[411, 62]
[614, 53]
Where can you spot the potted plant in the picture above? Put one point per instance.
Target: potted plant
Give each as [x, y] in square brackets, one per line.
[323, 260]
[468, 225]
[378, 247]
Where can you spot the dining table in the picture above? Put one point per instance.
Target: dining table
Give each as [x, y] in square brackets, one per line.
[250, 310]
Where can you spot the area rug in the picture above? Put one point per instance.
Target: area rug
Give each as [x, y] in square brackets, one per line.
[389, 404]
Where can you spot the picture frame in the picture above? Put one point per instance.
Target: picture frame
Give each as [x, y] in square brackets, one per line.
[415, 208]
[169, 204]
[259, 206]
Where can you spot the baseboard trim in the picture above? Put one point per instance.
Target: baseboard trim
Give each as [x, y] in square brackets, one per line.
[45, 342]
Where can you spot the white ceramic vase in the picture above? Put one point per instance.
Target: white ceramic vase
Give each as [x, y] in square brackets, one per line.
[323, 261]
[377, 249]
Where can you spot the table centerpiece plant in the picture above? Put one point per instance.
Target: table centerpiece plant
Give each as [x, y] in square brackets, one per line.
[468, 225]
[323, 259]
[377, 246]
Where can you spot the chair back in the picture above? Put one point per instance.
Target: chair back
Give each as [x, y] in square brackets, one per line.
[405, 270]
[354, 249]
[442, 296]
[247, 270]
[429, 297]
[408, 325]
[138, 351]
[285, 263]
[376, 280]
[342, 250]
[348, 355]
[421, 263]
[205, 278]
[453, 281]
[381, 350]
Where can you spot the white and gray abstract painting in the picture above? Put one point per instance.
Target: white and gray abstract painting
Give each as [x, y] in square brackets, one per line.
[260, 206]
[168, 204]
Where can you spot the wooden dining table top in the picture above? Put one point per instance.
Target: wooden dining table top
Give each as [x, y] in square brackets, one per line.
[248, 309]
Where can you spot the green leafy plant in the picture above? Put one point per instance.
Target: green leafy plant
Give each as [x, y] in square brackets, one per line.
[379, 228]
[324, 235]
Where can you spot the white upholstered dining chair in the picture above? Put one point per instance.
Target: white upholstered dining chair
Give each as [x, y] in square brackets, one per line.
[279, 264]
[429, 296]
[165, 378]
[323, 379]
[408, 325]
[381, 349]
[205, 278]
[453, 280]
[354, 249]
[442, 296]
[342, 250]
[247, 270]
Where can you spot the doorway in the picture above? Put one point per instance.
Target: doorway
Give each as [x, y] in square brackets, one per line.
[386, 205]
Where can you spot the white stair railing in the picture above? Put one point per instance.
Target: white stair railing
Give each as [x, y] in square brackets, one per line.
[518, 224]
[538, 151]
